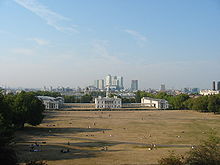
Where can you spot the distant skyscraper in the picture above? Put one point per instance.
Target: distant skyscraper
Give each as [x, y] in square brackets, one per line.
[114, 82]
[218, 86]
[134, 85]
[96, 83]
[120, 82]
[108, 80]
[99, 84]
[162, 87]
[213, 85]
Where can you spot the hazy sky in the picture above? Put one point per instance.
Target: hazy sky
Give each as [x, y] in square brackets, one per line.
[73, 42]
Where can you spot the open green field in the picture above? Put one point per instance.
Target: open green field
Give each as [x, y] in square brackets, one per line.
[114, 137]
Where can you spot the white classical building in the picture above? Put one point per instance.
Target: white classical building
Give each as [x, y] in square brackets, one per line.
[156, 103]
[108, 102]
[51, 102]
[208, 92]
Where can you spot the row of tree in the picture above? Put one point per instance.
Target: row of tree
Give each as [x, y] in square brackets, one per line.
[15, 111]
[209, 103]
[87, 98]
[183, 101]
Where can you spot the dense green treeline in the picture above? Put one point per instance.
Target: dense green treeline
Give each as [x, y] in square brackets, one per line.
[87, 98]
[209, 103]
[15, 111]
[47, 93]
[183, 101]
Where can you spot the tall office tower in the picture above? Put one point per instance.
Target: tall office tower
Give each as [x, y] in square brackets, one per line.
[218, 86]
[99, 84]
[96, 84]
[114, 81]
[134, 85]
[120, 82]
[162, 88]
[213, 85]
[108, 80]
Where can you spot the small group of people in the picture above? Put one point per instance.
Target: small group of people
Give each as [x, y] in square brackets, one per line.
[65, 150]
[35, 147]
[105, 148]
[152, 146]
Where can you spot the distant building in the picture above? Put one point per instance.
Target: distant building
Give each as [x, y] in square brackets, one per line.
[162, 88]
[156, 103]
[134, 85]
[218, 86]
[191, 90]
[51, 102]
[213, 85]
[99, 84]
[108, 80]
[127, 95]
[195, 90]
[208, 92]
[107, 102]
[120, 82]
[114, 82]
[187, 90]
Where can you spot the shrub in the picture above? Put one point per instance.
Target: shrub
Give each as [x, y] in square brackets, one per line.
[207, 153]
[172, 159]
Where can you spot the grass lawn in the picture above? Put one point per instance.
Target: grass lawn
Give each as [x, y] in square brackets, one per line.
[113, 137]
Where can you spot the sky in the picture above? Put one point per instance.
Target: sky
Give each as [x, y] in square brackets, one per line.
[71, 43]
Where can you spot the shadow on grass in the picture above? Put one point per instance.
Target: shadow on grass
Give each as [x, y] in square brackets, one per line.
[53, 151]
[27, 133]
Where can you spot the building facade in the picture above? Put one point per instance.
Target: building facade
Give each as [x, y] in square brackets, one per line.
[208, 92]
[155, 103]
[107, 102]
[51, 102]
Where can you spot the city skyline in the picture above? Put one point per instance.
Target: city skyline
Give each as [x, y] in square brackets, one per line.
[72, 43]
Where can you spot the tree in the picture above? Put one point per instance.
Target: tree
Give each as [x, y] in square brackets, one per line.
[214, 104]
[200, 104]
[138, 97]
[177, 102]
[27, 109]
[140, 94]
[128, 100]
[46, 93]
[207, 153]
[69, 99]
[87, 98]
[7, 155]
[35, 112]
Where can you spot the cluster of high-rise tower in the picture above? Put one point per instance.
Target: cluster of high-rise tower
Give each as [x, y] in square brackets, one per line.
[114, 83]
